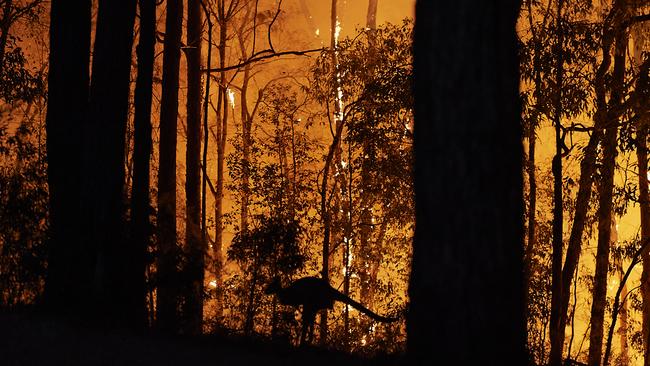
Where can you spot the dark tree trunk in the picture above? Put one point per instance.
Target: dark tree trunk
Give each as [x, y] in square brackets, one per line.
[104, 158]
[142, 145]
[167, 295]
[70, 264]
[606, 197]
[222, 133]
[466, 286]
[193, 237]
[587, 169]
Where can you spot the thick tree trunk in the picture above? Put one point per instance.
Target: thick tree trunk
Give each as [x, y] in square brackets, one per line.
[166, 299]
[105, 156]
[193, 238]
[142, 146]
[605, 206]
[70, 263]
[468, 176]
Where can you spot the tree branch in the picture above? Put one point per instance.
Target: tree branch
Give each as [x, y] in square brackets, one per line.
[270, 54]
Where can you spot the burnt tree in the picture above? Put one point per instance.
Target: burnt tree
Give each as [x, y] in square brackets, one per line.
[69, 276]
[167, 296]
[103, 187]
[142, 146]
[466, 288]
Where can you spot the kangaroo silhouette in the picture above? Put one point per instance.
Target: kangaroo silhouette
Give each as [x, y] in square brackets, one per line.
[315, 294]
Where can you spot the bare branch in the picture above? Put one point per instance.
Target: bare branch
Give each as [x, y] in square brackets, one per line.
[269, 54]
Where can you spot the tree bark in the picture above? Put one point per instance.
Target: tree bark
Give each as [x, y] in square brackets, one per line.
[371, 17]
[105, 156]
[193, 238]
[468, 175]
[605, 205]
[142, 147]
[69, 278]
[166, 299]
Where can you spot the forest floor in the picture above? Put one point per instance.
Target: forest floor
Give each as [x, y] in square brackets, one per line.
[33, 340]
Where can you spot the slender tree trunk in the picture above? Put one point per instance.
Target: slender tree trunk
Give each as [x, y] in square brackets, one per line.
[605, 206]
[532, 139]
[246, 122]
[5, 25]
[327, 219]
[167, 315]
[644, 207]
[222, 131]
[557, 335]
[587, 169]
[193, 238]
[206, 101]
[624, 358]
[348, 246]
[105, 156]
[364, 252]
[142, 146]
[70, 263]
[468, 175]
[371, 17]
[620, 299]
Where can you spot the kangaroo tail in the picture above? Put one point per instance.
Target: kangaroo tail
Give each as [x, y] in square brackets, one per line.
[346, 299]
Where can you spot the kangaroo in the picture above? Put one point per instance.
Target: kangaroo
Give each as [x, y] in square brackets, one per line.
[315, 294]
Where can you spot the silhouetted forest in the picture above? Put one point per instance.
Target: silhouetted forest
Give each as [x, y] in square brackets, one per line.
[291, 182]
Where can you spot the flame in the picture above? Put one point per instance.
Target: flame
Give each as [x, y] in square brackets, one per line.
[213, 284]
[337, 32]
[317, 32]
[231, 97]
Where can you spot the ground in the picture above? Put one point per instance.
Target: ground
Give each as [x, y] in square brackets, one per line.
[28, 339]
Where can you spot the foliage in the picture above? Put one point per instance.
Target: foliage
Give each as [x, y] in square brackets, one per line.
[17, 82]
[371, 192]
[271, 249]
[23, 216]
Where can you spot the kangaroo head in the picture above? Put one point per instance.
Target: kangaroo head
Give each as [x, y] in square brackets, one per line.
[273, 287]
